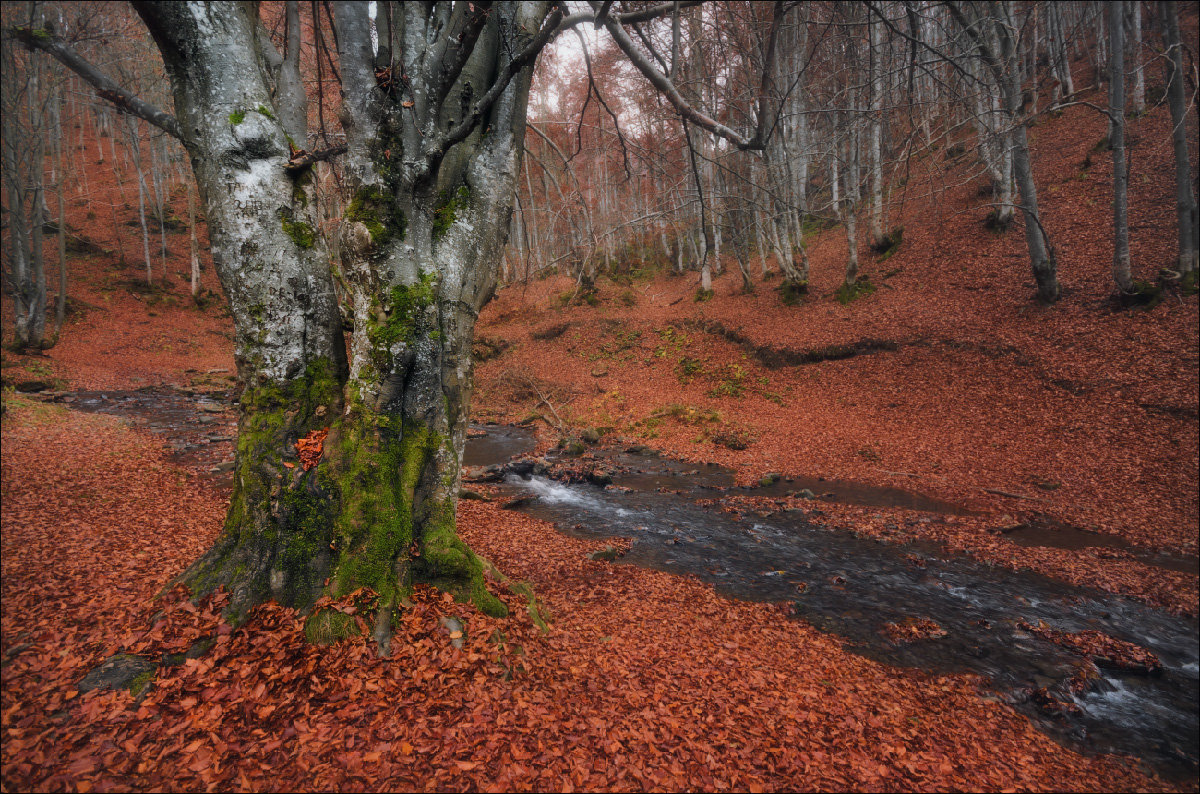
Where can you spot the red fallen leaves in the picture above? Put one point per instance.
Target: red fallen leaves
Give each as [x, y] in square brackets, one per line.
[1100, 648]
[310, 447]
[913, 629]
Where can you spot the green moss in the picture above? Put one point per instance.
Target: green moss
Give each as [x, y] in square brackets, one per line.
[375, 209]
[237, 117]
[890, 244]
[849, 292]
[404, 309]
[301, 233]
[266, 111]
[447, 209]
[300, 187]
[327, 626]
[792, 293]
[1146, 294]
[703, 295]
[141, 683]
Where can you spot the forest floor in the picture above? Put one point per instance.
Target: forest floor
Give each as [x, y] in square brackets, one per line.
[1081, 415]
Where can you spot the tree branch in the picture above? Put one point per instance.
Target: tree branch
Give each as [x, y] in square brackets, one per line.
[105, 87]
[303, 159]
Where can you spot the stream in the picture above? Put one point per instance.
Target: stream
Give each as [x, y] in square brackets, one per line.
[842, 584]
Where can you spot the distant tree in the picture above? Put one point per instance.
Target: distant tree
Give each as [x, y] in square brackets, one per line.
[1187, 221]
[1116, 141]
[994, 35]
[26, 121]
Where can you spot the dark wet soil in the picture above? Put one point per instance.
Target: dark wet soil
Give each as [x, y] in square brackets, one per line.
[843, 584]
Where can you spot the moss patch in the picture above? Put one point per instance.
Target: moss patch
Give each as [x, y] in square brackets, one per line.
[375, 209]
[792, 293]
[237, 117]
[850, 292]
[447, 209]
[327, 626]
[301, 233]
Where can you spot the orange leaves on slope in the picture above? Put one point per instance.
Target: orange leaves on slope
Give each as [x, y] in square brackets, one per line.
[311, 447]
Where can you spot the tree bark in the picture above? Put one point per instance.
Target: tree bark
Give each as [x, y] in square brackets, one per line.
[1116, 117]
[1187, 221]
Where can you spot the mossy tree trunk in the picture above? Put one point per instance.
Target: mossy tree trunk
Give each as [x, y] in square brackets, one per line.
[432, 170]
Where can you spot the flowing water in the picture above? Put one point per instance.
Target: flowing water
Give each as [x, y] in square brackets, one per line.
[846, 585]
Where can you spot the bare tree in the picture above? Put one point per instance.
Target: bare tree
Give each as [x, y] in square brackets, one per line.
[1185, 198]
[24, 120]
[1116, 140]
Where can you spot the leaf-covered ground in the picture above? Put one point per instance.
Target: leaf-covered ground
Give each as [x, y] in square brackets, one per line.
[1080, 412]
[645, 681]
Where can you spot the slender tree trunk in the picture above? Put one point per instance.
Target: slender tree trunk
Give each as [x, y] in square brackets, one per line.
[194, 247]
[875, 155]
[851, 200]
[1138, 92]
[60, 302]
[1188, 223]
[1116, 115]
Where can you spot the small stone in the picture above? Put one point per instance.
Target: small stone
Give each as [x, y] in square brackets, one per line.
[769, 479]
[117, 672]
[805, 493]
[590, 436]
[599, 372]
[600, 477]
[455, 628]
[468, 494]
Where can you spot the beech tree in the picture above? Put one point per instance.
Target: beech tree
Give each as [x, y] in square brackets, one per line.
[433, 107]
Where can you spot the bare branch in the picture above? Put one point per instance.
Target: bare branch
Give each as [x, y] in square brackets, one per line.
[302, 159]
[105, 87]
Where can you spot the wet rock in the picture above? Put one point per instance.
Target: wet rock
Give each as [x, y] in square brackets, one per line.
[606, 554]
[590, 436]
[770, 479]
[572, 447]
[521, 468]
[540, 466]
[600, 477]
[518, 503]
[483, 473]
[122, 671]
[31, 386]
[804, 493]
[212, 408]
[467, 493]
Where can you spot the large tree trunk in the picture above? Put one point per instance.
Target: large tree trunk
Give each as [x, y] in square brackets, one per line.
[288, 345]
[420, 243]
